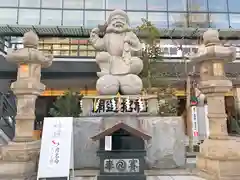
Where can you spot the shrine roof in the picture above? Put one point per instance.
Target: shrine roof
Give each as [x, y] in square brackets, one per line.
[121, 125]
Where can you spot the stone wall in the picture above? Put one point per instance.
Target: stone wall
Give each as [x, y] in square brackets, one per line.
[84, 148]
[165, 149]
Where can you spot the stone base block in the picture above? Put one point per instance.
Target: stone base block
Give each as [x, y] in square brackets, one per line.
[219, 159]
[17, 168]
[24, 128]
[21, 151]
[19, 158]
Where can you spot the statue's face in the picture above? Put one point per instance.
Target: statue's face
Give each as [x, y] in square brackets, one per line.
[118, 23]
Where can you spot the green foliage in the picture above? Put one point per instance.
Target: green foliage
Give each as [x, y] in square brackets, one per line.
[150, 34]
[152, 50]
[234, 125]
[167, 102]
[67, 105]
[152, 54]
[149, 30]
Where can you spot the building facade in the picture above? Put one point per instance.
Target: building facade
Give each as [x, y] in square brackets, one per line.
[64, 26]
[73, 19]
[89, 13]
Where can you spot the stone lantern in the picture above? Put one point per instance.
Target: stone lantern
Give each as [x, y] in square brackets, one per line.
[219, 155]
[19, 158]
[28, 86]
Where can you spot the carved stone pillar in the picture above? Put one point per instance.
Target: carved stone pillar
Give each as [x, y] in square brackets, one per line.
[23, 151]
[219, 155]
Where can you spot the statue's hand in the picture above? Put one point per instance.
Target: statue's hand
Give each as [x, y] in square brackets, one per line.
[49, 57]
[127, 40]
[95, 31]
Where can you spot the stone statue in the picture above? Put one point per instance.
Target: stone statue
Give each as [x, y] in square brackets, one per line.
[118, 57]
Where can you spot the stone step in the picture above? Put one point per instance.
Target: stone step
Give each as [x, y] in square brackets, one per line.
[180, 177]
[154, 172]
[174, 174]
[95, 178]
[191, 154]
[191, 163]
[34, 177]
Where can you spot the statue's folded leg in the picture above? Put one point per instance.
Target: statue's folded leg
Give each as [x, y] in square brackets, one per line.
[103, 61]
[107, 85]
[136, 65]
[130, 84]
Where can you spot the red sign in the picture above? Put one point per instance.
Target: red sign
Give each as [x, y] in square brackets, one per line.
[195, 133]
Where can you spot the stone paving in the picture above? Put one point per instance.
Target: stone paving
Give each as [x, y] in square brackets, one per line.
[174, 178]
[148, 178]
[177, 174]
[153, 178]
[171, 174]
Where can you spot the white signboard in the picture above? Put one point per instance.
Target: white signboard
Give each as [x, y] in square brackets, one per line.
[56, 154]
[108, 143]
[194, 121]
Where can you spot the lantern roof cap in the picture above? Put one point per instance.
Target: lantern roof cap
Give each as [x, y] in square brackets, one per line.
[211, 36]
[30, 39]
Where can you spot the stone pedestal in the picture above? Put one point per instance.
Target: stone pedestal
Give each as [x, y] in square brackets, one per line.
[26, 92]
[219, 159]
[219, 156]
[19, 158]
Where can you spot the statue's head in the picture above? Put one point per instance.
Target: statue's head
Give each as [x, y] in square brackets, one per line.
[118, 22]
